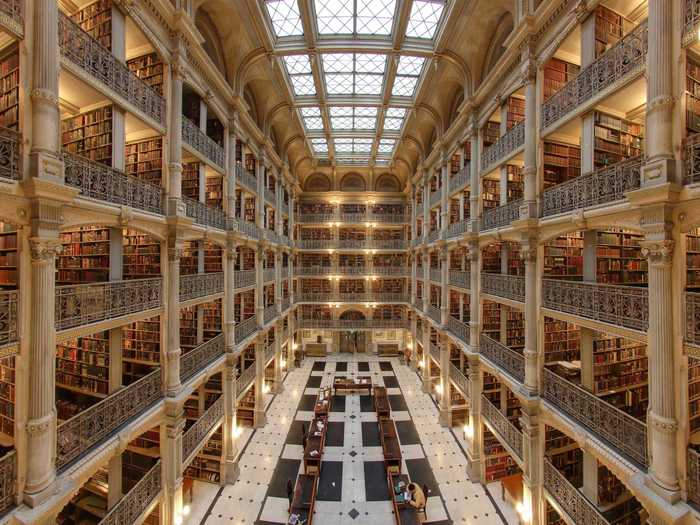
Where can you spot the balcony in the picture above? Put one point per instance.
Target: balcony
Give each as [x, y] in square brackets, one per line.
[316, 244]
[501, 150]
[570, 500]
[434, 313]
[200, 357]
[97, 181]
[268, 274]
[8, 481]
[199, 142]
[506, 431]
[315, 271]
[244, 329]
[83, 304]
[12, 15]
[351, 324]
[691, 17]
[691, 161]
[619, 429]
[692, 318]
[389, 218]
[199, 431]
[247, 228]
[90, 58]
[9, 317]
[460, 180]
[286, 303]
[435, 198]
[507, 286]
[270, 196]
[245, 380]
[418, 304]
[432, 236]
[693, 476]
[138, 500]
[503, 357]
[388, 244]
[11, 149]
[269, 313]
[269, 353]
[369, 297]
[460, 381]
[201, 285]
[247, 180]
[205, 215]
[90, 427]
[390, 271]
[611, 70]
[625, 306]
[460, 279]
[436, 275]
[317, 218]
[501, 216]
[419, 333]
[243, 279]
[456, 229]
[603, 186]
[458, 329]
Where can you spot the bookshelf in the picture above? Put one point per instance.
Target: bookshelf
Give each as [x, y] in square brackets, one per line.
[96, 20]
[82, 365]
[516, 111]
[557, 73]
[188, 328]
[89, 134]
[516, 182]
[190, 180]
[85, 256]
[9, 87]
[141, 342]
[552, 516]
[515, 330]
[616, 139]
[245, 411]
[7, 399]
[189, 261]
[692, 260]
[212, 313]
[147, 444]
[141, 256]
[693, 395]
[144, 159]
[9, 269]
[608, 29]
[563, 257]
[491, 325]
[215, 191]
[249, 213]
[562, 341]
[498, 463]
[491, 133]
[213, 254]
[317, 234]
[491, 193]
[692, 90]
[619, 258]
[206, 464]
[150, 69]
[562, 162]
[491, 258]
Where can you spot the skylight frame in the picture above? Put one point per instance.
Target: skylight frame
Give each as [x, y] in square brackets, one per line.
[276, 23]
[351, 18]
[349, 68]
[300, 76]
[422, 24]
[354, 116]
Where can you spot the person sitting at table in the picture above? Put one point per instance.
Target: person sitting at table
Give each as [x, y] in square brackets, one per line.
[417, 500]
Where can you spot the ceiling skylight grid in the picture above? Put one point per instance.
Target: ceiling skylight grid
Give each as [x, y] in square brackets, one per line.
[355, 17]
[351, 117]
[313, 120]
[300, 75]
[285, 17]
[424, 18]
[353, 73]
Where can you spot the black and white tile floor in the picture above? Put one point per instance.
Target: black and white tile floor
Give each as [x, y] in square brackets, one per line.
[352, 487]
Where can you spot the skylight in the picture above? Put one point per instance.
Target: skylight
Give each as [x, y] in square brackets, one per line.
[284, 15]
[393, 119]
[348, 146]
[386, 146]
[299, 71]
[312, 118]
[319, 145]
[355, 17]
[408, 72]
[349, 117]
[354, 73]
[424, 19]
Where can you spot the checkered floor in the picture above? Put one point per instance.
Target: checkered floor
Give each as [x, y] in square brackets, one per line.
[352, 486]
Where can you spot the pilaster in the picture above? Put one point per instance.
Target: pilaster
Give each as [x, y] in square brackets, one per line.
[171, 454]
[173, 351]
[528, 254]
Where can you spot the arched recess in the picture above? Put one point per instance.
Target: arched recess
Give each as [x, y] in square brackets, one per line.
[352, 315]
[317, 182]
[387, 182]
[212, 40]
[454, 107]
[353, 182]
[250, 102]
[496, 47]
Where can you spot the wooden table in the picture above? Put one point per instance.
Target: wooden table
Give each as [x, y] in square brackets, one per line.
[390, 446]
[403, 512]
[315, 441]
[304, 499]
[323, 402]
[348, 383]
[381, 402]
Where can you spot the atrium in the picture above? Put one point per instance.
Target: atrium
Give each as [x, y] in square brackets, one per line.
[318, 262]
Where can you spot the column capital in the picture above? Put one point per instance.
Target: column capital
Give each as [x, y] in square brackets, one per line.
[528, 72]
[175, 249]
[42, 249]
[658, 252]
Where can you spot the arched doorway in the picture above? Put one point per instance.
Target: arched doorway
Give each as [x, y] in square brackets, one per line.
[353, 341]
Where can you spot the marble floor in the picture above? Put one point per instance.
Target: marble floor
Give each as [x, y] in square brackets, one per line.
[352, 487]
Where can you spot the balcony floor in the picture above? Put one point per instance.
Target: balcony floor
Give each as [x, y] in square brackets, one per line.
[273, 455]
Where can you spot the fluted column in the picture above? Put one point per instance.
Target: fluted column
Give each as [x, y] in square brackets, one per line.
[533, 452]
[259, 286]
[444, 290]
[475, 442]
[426, 280]
[231, 174]
[661, 418]
[278, 280]
[444, 402]
[444, 195]
[414, 342]
[41, 416]
[175, 204]
[413, 261]
[230, 295]
[229, 458]
[529, 76]
[259, 411]
[528, 253]
[290, 339]
[414, 233]
[171, 457]
[474, 293]
[173, 352]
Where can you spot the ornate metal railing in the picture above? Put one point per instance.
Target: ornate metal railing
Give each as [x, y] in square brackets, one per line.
[691, 160]
[435, 198]
[389, 218]
[243, 278]
[370, 297]
[692, 318]
[503, 147]
[200, 142]
[351, 324]
[390, 271]
[9, 317]
[617, 65]
[10, 151]
[8, 480]
[81, 304]
[434, 313]
[201, 285]
[691, 17]
[506, 286]
[352, 218]
[435, 353]
[693, 476]
[97, 181]
[137, 501]
[460, 381]
[247, 228]
[270, 196]
[316, 244]
[432, 236]
[602, 186]
[315, 218]
[286, 303]
[456, 229]
[312, 271]
[269, 353]
[619, 429]
[12, 13]
[247, 180]
[435, 275]
[461, 179]
[506, 430]
[269, 313]
[200, 357]
[98, 62]
[501, 216]
[91, 426]
[245, 328]
[626, 306]
[200, 213]
[388, 244]
[268, 274]
[460, 278]
[245, 380]
[458, 328]
[569, 498]
[194, 435]
[503, 357]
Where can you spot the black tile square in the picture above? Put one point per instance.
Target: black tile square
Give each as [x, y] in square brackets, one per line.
[295, 432]
[398, 403]
[330, 484]
[314, 382]
[307, 403]
[390, 382]
[408, 435]
[370, 434]
[286, 469]
[335, 434]
[385, 366]
[338, 404]
[319, 366]
[366, 403]
[362, 366]
[376, 484]
[420, 472]
[341, 366]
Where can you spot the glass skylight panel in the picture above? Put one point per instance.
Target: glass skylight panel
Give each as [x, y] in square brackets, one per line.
[303, 85]
[368, 84]
[343, 145]
[424, 18]
[312, 118]
[319, 145]
[362, 145]
[369, 63]
[404, 86]
[375, 17]
[342, 118]
[386, 145]
[365, 118]
[299, 71]
[297, 64]
[347, 117]
[334, 16]
[284, 15]
[409, 65]
[349, 73]
[339, 83]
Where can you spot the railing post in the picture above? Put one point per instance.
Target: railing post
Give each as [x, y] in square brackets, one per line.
[473, 430]
[173, 351]
[529, 76]
[445, 416]
[259, 410]
[229, 463]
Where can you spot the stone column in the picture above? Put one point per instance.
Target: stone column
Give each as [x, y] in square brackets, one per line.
[426, 280]
[231, 175]
[475, 443]
[175, 204]
[414, 233]
[259, 286]
[259, 412]
[426, 206]
[533, 452]
[278, 388]
[588, 50]
[173, 351]
[230, 296]
[531, 139]
[278, 280]
[260, 199]
[444, 196]
[426, 357]
[474, 294]
[229, 458]
[414, 342]
[445, 416]
[528, 253]
[171, 454]
[444, 290]
[290, 340]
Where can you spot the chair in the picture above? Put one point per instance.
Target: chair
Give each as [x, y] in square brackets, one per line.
[423, 509]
